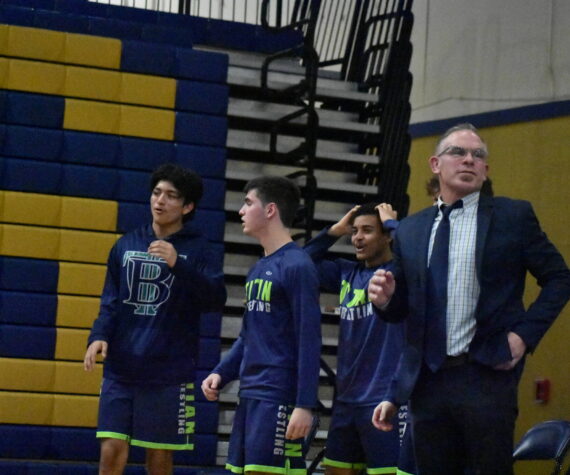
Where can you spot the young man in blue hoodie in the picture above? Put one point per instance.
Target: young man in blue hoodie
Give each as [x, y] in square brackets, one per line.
[368, 349]
[160, 278]
[276, 356]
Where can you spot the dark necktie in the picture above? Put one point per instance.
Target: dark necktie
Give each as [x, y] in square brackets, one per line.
[435, 339]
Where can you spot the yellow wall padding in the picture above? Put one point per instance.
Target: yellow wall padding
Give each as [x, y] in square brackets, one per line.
[88, 83]
[87, 213]
[113, 86]
[93, 51]
[81, 279]
[54, 46]
[71, 378]
[148, 90]
[92, 116]
[26, 408]
[31, 76]
[145, 122]
[70, 344]
[92, 84]
[48, 409]
[85, 246]
[18, 374]
[30, 208]
[24, 42]
[29, 241]
[57, 244]
[121, 120]
[76, 311]
[59, 211]
[3, 71]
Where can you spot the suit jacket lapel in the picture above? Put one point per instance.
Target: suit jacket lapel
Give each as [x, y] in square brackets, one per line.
[424, 232]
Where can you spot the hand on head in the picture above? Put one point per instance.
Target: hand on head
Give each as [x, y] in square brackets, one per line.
[386, 212]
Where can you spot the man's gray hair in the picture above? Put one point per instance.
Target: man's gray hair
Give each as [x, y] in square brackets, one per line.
[457, 128]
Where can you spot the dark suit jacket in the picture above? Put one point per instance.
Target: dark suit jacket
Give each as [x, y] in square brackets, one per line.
[509, 243]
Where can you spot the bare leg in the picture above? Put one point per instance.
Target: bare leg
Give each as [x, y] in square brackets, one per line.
[114, 455]
[158, 462]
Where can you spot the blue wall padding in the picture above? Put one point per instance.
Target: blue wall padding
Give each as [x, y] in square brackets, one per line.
[167, 35]
[64, 443]
[201, 65]
[24, 442]
[24, 341]
[114, 28]
[82, 7]
[202, 97]
[225, 33]
[211, 324]
[206, 161]
[28, 274]
[45, 4]
[178, 21]
[30, 175]
[53, 468]
[144, 154]
[90, 148]
[26, 308]
[132, 215]
[272, 42]
[41, 468]
[32, 142]
[73, 444]
[148, 58]
[16, 15]
[132, 14]
[133, 186]
[31, 109]
[61, 21]
[214, 194]
[201, 129]
[89, 181]
[199, 29]
[209, 352]
[211, 223]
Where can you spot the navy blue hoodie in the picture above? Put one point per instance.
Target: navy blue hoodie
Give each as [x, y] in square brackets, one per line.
[150, 314]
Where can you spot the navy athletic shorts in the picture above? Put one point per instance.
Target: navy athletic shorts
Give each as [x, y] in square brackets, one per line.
[354, 443]
[154, 417]
[258, 443]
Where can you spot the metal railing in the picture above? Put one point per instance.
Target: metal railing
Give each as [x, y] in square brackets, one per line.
[366, 42]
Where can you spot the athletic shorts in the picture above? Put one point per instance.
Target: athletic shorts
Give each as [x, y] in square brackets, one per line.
[354, 443]
[258, 443]
[154, 417]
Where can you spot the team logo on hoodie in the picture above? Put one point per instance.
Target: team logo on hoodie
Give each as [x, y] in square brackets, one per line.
[149, 281]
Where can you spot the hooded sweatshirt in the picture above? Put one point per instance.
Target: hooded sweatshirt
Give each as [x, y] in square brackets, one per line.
[150, 313]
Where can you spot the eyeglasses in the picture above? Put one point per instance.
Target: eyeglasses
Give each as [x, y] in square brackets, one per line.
[460, 152]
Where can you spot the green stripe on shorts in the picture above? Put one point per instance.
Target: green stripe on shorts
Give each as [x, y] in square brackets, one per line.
[112, 435]
[381, 471]
[336, 463]
[156, 445]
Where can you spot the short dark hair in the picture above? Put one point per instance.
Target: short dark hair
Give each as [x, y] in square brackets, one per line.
[432, 187]
[279, 190]
[457, 128]
[368, 209]
[187, 182]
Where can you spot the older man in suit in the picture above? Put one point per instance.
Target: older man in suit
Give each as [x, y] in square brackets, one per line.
[459, 279]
